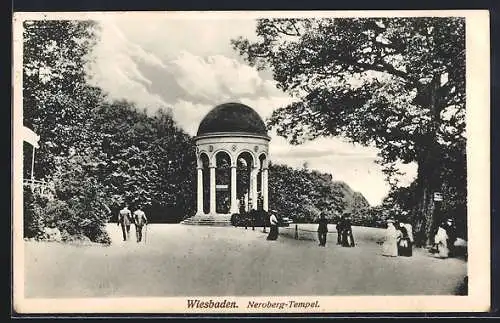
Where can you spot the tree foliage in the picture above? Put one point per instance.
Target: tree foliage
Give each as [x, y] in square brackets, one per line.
[59, 106]
[99, 154]
[302, 194]
[146, 160]
[395, 83]
[57, 101]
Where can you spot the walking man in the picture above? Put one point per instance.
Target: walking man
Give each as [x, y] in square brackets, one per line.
[140, 221]
[322, 230]
[124, 219]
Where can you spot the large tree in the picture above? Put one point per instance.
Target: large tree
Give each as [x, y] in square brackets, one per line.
[395, 83]
[58, 103]
[146, 160]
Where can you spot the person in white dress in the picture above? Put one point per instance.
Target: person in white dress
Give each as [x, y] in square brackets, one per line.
[390, 244]
[441, 241]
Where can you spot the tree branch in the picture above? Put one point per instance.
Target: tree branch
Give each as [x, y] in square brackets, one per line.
[379, 66]
[283, 31]
[296, 29]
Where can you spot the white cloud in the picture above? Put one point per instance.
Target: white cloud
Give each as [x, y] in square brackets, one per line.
[201, 37]
[126, 51]
[123, 86]
[114, 68]
[188, 115]
[215, 77]
[113, 41]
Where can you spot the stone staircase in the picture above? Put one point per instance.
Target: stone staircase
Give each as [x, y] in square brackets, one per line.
[209, 219]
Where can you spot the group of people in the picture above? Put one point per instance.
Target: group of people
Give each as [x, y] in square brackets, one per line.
[345, 238]
[398, 239]
[126, 219]
[344, 230]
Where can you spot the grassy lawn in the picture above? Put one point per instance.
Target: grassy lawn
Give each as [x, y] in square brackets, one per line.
[182, 260]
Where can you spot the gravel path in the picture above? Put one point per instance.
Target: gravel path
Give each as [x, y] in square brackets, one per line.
[181, 260]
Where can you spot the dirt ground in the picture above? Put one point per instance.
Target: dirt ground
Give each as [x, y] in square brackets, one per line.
[182, 260]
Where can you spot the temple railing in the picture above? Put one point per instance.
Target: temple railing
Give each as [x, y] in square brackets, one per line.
[40, 187]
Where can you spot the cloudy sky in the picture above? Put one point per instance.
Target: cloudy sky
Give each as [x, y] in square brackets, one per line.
[187, 65]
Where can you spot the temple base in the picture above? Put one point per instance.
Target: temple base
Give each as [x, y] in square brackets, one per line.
[209, 219]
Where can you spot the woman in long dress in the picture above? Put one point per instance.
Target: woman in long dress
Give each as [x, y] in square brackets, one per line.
[404, 242]
[273, 231]
[390, 245]
[441, 241]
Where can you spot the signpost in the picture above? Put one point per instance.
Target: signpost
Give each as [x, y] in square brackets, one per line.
[438, 197]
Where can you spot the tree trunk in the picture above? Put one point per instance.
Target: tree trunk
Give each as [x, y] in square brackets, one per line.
[426, 213]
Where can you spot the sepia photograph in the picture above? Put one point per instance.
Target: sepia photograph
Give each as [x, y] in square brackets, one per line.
[251, 162]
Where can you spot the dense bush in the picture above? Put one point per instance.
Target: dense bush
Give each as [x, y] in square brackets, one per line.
[68, 217]
[33, 215]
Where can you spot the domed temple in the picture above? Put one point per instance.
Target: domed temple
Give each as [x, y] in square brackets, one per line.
[232, 151]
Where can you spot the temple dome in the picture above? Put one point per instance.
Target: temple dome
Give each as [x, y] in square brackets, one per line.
[232, 117]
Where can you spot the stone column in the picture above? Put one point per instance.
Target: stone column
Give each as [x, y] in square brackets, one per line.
[265, 196]
[250, 190]
[234, 200]
[246, 202]
[253, 180]
[212, 189]
[200, 192]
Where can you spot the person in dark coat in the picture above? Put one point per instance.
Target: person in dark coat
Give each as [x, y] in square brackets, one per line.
[340, 228]
[347, 236]
[322, 230]
[404, 242]
[451, 231]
